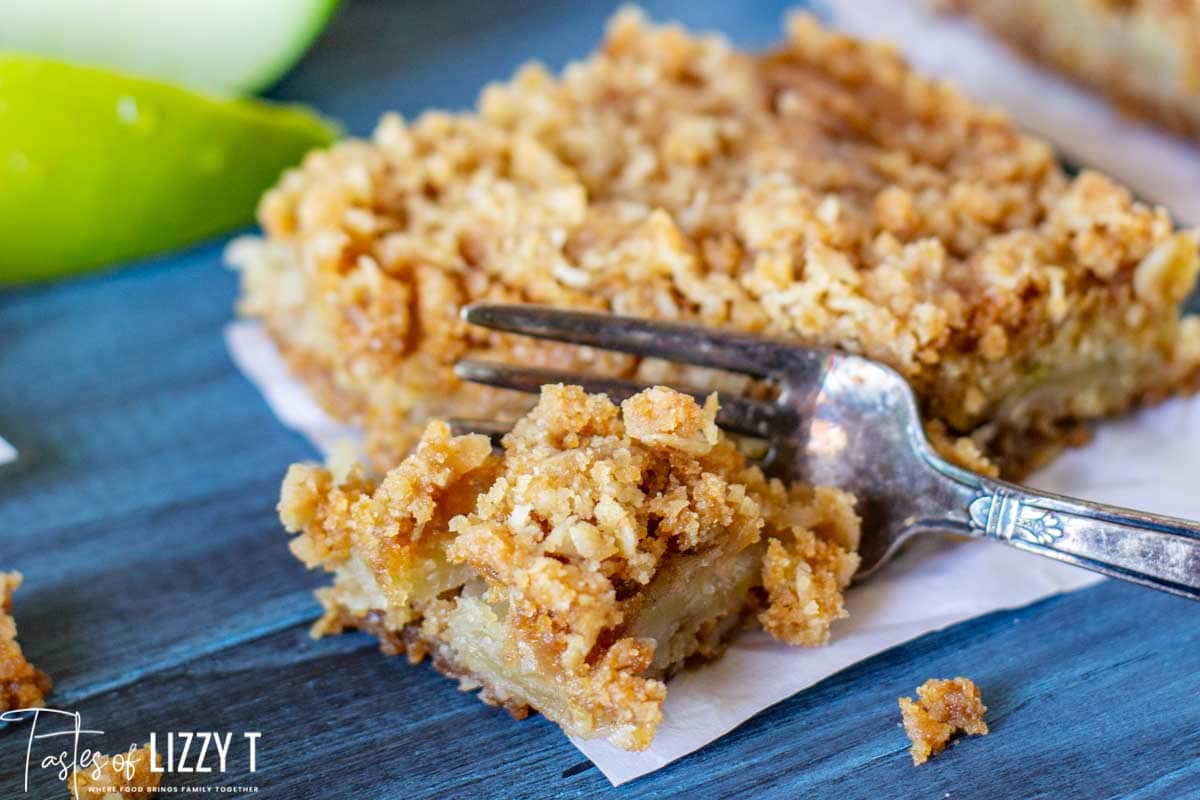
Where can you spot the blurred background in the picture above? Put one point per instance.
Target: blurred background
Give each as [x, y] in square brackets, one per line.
[129, 128]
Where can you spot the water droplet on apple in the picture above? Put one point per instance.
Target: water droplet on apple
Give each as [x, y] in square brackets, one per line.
[138, 116]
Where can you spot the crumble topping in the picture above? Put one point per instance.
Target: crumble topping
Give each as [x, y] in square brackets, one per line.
[21, 684]
[943, 707]
[821, 192]
[121, 777]
[572, 573]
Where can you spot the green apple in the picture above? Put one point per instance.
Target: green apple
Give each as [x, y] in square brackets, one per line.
[98, 167]
[229, 46]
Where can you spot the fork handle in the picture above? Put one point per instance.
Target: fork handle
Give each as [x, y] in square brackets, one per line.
[1148, 549]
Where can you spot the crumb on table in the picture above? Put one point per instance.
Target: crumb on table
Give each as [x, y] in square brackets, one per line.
[21, 684]
[125, 775]
[942, 707]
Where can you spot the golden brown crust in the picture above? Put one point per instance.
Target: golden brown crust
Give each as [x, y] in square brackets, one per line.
[21, 684]
[606, 547]
[822, 193]
[943, 707]
[120, 777]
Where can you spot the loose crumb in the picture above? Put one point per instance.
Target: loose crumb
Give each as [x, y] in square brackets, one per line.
[119, 777]
[942, 707]
[21, 684]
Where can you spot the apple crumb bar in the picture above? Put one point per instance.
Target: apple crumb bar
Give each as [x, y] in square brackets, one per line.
[604, 548]
[21, 684]
[943, 708]
[821, 192]
[1144, 54]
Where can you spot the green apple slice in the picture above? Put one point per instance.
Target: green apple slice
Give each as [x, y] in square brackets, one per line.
[98, 167]
[228, 46]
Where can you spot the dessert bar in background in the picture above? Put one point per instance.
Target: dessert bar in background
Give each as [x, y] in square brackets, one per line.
[1144, 54]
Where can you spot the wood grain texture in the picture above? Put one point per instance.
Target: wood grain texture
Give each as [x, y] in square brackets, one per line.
[161, 596]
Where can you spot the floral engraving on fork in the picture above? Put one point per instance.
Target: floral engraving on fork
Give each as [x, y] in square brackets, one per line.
[1001, 515]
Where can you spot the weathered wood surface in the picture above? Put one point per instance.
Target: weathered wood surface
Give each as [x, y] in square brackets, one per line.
[160, 594]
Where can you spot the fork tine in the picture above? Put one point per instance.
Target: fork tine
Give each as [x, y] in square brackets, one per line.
[692, 344]
[493, 428]
[738, 414]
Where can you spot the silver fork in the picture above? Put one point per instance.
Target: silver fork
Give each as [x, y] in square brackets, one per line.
[846, 421]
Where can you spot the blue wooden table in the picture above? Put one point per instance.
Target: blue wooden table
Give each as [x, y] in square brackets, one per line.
[161, 596]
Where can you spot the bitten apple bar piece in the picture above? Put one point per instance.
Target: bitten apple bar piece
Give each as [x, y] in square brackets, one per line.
[575, 571]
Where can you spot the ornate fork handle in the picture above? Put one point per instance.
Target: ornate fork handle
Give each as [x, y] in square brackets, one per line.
[1157, 551]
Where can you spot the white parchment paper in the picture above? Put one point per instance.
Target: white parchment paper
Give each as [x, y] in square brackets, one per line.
[1144, 461]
